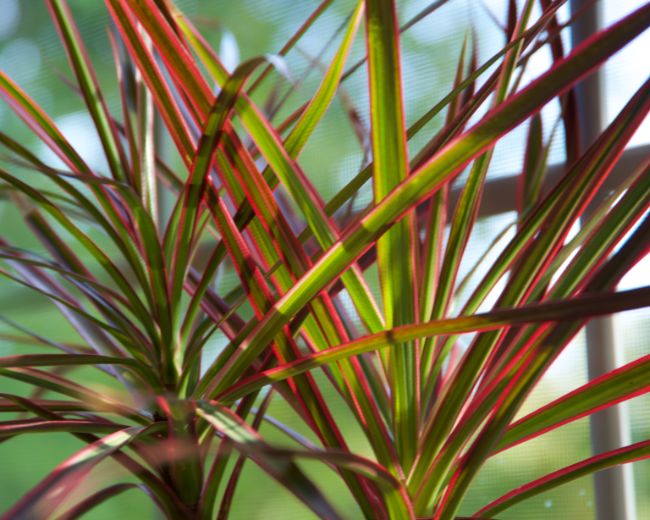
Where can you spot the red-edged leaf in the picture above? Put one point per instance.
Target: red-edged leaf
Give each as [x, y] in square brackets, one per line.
[441, 168]
[535, 313]
[619, 385]
[396, 249]
[89, 86]
[283, 469]
[13, 428]
[96, 499]
[627, 454]
[54, 488]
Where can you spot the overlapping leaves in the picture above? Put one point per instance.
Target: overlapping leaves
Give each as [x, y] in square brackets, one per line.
[144, 304]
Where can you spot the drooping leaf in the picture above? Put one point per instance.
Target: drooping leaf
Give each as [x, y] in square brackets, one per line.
[283, 469]
[54, 488]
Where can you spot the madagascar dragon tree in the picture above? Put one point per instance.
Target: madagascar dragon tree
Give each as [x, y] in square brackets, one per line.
[134, 275]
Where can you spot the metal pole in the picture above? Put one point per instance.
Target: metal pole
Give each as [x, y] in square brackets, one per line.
[613, 488]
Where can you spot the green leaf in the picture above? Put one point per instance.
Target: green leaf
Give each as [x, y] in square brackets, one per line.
[179, 234]
[96, 499]
[281, 157]
[621, 384]
[53, 489]
[561, 208]
[99, 402]
[572, 309]
[89, 87]
[439, 169]
[281, 468]
[396, 249]
[14, 428]
[634, 452]
[36, 360]
[153, 76]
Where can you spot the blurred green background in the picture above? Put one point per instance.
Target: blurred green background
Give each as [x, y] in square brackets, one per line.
[31, 54]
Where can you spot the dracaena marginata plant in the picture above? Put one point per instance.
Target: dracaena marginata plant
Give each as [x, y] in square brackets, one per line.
[136, 280]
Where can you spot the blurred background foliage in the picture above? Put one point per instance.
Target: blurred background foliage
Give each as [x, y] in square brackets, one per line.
[31, 54]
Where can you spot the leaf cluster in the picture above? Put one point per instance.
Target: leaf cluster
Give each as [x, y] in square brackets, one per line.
[140, 280]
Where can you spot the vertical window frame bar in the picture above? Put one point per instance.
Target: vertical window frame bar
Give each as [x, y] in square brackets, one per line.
[613, 488]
